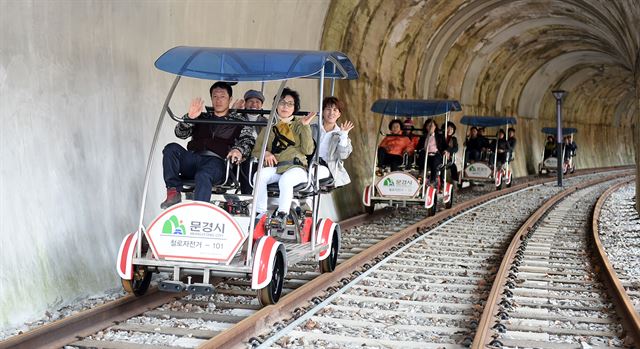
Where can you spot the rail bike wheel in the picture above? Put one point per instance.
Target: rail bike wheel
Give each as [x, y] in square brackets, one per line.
[139, 284]
[449, 204]
[369, 209]
[270, 294]
[328, 264]
[432, 211]
[510, 181]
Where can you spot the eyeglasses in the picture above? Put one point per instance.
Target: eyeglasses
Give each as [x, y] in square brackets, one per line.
[284, 103]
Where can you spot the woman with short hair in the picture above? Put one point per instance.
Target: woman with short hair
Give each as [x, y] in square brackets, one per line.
[285, 159]
[334, 145]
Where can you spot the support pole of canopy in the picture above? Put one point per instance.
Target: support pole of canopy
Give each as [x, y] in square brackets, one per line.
[559, 95]
[147, 174]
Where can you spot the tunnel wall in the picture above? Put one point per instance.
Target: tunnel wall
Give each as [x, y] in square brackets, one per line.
[497, 57]
[636, 127]
[79, 99]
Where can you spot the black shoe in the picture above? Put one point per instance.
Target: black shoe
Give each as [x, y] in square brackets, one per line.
[278, 222]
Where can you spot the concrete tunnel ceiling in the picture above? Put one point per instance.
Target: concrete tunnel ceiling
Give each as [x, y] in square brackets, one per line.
[497, 57]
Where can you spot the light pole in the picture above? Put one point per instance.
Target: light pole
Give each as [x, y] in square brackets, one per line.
[559, 95]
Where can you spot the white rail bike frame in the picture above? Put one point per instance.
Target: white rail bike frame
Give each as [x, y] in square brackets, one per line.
[248, 261]
[495, 159]
[423, 186]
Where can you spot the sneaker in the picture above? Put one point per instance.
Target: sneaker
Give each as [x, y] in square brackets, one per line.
[173, 197]
[278, 222]
[305, 210]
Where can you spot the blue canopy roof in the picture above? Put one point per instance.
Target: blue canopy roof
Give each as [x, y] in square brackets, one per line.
[234, 64]
[487, 121]
[414, 107]
[565, 130]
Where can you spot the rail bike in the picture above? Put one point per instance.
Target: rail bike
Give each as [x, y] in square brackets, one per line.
[549, 162]
[408, 183]
[194, 241]
[481, 153]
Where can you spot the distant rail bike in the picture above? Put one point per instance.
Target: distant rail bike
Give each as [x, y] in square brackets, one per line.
[409, 182]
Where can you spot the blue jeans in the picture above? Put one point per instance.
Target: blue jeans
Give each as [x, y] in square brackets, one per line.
[246, 176]
[206, 170]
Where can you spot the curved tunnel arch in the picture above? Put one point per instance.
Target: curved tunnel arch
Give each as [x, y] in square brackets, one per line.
[549, 74]
[498, 57]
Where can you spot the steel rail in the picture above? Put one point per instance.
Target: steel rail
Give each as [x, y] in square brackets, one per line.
[62, 332]
[624, 307]
[87, 322]
[489, 315]
[245, 329]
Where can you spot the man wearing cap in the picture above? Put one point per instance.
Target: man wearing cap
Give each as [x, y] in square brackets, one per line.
[252, 100]
[408, 128]
[210, 144]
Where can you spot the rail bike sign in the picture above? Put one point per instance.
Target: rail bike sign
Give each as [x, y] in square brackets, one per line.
[551, 163]
[478, 170]
[197, 232]
[398, 184]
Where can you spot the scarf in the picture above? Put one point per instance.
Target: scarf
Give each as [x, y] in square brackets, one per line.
[285, 128]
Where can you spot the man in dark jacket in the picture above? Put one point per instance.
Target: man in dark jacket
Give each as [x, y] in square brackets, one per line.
[210, 144]
[503, 149]
[511, 138]
[569, 147]
[253, 100]
[474, 144]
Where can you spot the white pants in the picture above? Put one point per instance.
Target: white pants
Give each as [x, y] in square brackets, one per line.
[286, 182]
[323, 172]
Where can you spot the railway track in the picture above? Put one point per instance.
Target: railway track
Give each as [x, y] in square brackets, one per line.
[188, 321]
[547, 292]
[428, 294]
[616, 235]
[621, 240]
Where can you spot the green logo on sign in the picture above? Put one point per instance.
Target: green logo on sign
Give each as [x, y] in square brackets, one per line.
[173, 227]
[388, 182]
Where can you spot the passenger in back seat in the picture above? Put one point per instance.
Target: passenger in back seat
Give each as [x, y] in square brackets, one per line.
[210, 144]
[334, 146]
[504, 147]
[253, 100]
[511, 138]
[285, 159]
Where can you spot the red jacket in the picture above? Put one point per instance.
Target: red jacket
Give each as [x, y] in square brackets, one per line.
[397, 145]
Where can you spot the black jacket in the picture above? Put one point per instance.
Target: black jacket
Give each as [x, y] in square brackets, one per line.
[218, 138]
[503, 146]
[452, 145]
[476, 143]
